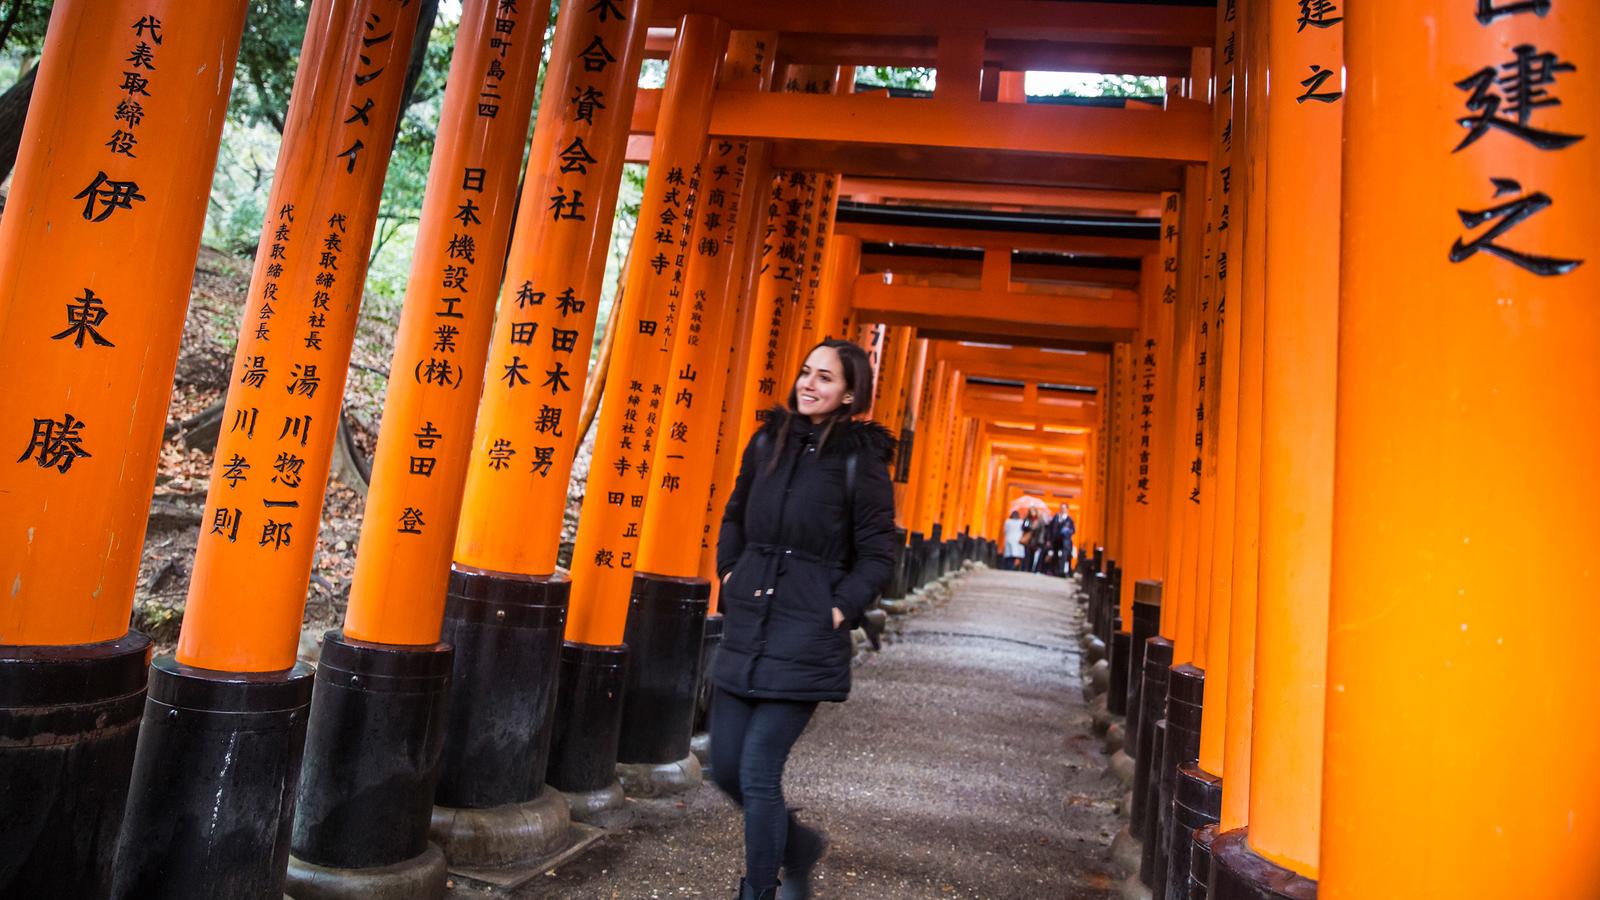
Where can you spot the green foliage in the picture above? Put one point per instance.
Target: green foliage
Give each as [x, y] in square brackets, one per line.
[25, 39]
[29, 20]
[653, 73]
[407, 178]
[268, 53]
[629, 196]
[263, 83]
[1144, 86]
[915, 78]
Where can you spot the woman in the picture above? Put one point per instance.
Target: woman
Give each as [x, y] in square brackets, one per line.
[807, 543]
[1013, 537]
[1030, 541]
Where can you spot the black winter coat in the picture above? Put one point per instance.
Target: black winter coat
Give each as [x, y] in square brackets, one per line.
[796, 548]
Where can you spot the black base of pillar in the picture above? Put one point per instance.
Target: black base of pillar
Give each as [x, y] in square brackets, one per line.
[583, 755]
[211, 801]
[69, 721]
[372, 753]
[1239, 873]
[1152, 706]
[916, 561]
[425, 876]
[506, 630]
[1146, 623]
[708, 655]
[1200, 861]
[1185, 693]
[1149, 855]
[1196, 803]
[509, 835]
[645, 780]
[665, 633]
[1100, 608]
[1117, 694]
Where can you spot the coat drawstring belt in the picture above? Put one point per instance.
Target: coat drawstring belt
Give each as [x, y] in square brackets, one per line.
[775, 561]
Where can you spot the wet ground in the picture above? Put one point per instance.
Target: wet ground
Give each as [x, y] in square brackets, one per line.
[963, 766]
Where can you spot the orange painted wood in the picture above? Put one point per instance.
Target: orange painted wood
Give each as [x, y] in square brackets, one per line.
[1151, 430]
[1218, 296]
[911, 403]
[818, 199]
[408, 532]
[1217, 590]
[1176, 134]
[765, 382]
[513, 505]
[757, 181]
[931, 429]
[959, 64]
[837, 300]
[686, 444]
[1462, 605]
[902, 345]
[1191, 257]
[1297, 462]
[270, 470]
[631, 411]
[1234, 759]
[1111, 316]
[1001, 196]
[998, 240]
[1028, 363]
[882, 350]
[97, 252]
[1089, 22]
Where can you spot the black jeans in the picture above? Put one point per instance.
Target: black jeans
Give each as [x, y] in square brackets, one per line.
[750, 742]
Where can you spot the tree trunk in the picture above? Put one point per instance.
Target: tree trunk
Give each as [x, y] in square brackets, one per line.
[426, 14]
[13, 112]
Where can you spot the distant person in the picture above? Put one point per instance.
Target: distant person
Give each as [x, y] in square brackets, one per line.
[1014, 550]
[1064, 530]
[1032, 540]
[807, 543]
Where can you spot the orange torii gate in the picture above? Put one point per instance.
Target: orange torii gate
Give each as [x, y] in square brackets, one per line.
[1483, 226]
[506, 604]
[220, 746]
[632, 415]
[669, 599]
[1212, 333]
[110, 182]
[385, 678]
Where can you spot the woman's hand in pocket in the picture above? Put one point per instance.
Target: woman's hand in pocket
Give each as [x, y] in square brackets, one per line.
[838, 618]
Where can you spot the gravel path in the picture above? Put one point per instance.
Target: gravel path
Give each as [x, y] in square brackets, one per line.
[962, 767]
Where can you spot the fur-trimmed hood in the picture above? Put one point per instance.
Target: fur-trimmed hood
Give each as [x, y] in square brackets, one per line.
[846, 436]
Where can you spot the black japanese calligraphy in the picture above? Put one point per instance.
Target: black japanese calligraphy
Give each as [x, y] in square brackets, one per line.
[56, 443]
[1510, 213]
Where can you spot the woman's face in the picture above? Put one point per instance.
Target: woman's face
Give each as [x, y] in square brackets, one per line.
[820, 389]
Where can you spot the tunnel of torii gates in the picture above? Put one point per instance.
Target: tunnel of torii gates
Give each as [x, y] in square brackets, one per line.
[1313, 368]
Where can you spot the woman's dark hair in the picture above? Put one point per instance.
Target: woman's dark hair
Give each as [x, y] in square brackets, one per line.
[857, 382]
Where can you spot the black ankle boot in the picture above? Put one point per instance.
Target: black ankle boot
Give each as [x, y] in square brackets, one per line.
[801, 855]
[748, 892]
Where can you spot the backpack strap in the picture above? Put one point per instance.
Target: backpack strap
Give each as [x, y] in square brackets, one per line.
[850, 507]
[850, 479]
